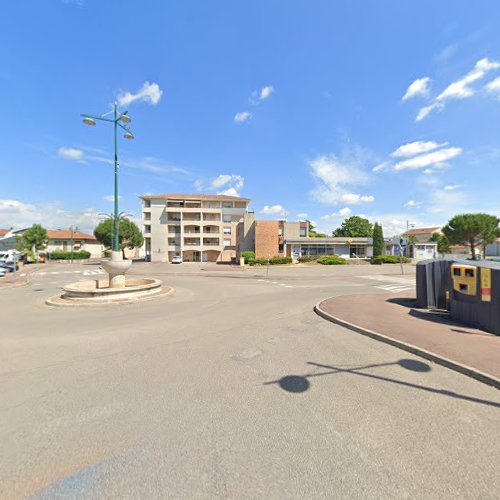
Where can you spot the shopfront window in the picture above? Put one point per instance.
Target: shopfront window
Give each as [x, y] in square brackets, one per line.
[357, 251]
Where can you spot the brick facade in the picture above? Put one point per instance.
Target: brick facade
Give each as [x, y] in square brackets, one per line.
[266, 238]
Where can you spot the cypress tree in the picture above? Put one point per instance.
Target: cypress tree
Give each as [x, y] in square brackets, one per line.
[378, 240]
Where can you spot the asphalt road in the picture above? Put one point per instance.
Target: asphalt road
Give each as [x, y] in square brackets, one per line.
[231, 387]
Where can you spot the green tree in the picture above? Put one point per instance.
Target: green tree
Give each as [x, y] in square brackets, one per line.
[443, 244]
[378, 240]
[34, 238]
[129, 234]
[355, 227]
[314, 234]
[471, 229]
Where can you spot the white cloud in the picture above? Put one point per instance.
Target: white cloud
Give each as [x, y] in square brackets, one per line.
[332, 175]
[452, 187]
[381, 166]
[242, 117]
[111, 198]
[231, 182]
[354, 199]
[149, 92]
[274, 210]
[198, 184]
[446, 201]
[229, 192]
[415, 148]
[17, 214]
[71, 154]
[494, 85]
[419, 87]
[413, 204]
[261, 95]
[423, 112]
[460, 89]
[428, 159]
[266, 92]
[342, 213]
[302, 215]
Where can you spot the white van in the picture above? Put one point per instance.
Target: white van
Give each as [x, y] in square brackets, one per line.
[9, 255]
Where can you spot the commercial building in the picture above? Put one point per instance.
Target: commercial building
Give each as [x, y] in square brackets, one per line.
[269, 238]
[198, 227]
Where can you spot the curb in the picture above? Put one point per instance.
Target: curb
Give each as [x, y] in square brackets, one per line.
[485, 378]
[52, 301]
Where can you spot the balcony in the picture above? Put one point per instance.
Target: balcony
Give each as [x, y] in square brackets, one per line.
[211, 242]
[173, 242]
[211, 217]
[192, 242]
[191, 217]
[191, 229]
[173, 217]
[211, 229]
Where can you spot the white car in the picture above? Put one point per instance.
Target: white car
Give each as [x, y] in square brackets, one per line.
[3, 272]
[177, 259]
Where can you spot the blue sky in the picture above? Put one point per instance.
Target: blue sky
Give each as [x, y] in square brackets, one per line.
[321, 109]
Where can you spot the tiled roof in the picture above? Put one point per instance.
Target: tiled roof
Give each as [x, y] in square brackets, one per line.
[3, 232]
[176, 196]
[422, 230]
[61, 234]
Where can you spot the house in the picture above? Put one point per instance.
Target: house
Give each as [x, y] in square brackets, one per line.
[493, 249]
[198, 227]
[61, 240]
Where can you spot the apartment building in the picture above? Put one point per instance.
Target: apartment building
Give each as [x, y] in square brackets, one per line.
[268, 238]
[198, 227]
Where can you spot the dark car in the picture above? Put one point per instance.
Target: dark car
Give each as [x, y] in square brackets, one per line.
[8, 266]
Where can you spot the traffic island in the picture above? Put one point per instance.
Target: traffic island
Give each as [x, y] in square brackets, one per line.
[431, 334]
[88, 293]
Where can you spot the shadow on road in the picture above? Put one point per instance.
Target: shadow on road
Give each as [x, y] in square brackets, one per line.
[300, 383]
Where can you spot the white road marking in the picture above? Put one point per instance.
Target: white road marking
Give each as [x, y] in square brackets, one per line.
[394, 284]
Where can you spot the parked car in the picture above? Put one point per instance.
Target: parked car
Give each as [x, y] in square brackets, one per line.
[3, 272]
[177, 259]
[8, 266]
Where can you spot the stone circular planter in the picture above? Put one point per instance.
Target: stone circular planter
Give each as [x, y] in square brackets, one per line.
[98, 291]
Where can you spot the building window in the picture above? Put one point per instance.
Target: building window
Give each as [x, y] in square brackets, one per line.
[227, 219]
[227, 230]
[357, 251]
[228, 205]
[303, 231]
[227, 243]
[280, 231]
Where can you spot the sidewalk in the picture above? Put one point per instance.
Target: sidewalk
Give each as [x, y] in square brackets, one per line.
[394, 319]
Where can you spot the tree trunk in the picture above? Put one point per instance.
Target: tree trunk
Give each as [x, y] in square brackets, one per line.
[473, 249]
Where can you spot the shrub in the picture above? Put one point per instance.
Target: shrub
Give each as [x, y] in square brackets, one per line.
[280, 260]
[247, 256]
[308, 258]
[82, 254]
[388, 259]
[331, 260]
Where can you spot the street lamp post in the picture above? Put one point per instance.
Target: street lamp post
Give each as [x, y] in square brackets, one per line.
[117, 266]
[119, 119]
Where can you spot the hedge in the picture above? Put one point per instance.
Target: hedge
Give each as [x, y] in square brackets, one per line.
[331, 260]
[280, 260]
[273, 261]
[83, 254]
[389, 259]
[247, 256]
[308, 258]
